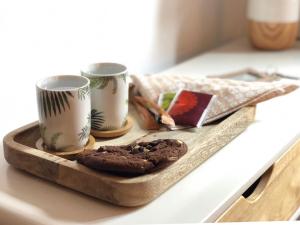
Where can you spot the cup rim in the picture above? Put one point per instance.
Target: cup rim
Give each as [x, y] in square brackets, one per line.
[39, 83]
[86, 71]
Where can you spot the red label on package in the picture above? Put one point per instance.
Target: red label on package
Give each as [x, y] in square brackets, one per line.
[189, 108]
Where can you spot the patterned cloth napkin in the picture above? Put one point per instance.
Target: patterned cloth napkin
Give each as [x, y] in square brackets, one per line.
[231, 95]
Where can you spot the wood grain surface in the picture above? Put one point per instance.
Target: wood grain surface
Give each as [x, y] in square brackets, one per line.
[39, 144]
[20, 151]
[273, 36]
[277, 195]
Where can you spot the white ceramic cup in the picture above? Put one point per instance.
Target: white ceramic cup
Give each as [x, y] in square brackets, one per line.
[64, 108]
[109, 95]
[273, 11]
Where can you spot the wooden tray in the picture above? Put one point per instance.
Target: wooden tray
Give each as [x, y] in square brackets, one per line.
[20, 151]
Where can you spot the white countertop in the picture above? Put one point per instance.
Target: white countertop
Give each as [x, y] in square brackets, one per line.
[201, 196]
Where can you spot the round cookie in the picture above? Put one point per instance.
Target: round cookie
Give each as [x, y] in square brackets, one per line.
[135, 158]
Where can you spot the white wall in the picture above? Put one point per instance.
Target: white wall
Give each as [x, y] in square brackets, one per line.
[58, 36]
[299, 23]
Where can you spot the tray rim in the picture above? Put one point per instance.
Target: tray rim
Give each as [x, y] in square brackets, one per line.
[148, 181]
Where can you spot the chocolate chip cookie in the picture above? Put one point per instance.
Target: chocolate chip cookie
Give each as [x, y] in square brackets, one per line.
[136, 158]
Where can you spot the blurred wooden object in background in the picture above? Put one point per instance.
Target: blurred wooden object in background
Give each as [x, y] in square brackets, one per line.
[273, 36]
[273, 24]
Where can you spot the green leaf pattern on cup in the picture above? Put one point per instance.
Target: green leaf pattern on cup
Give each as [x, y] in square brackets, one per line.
[83, 93]
[102, 82]
[52, 103]
[109, 127]
[85, 131]
[97, 119]
[54, 139]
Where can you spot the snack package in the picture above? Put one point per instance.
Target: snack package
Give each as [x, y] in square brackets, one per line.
[189, 108]
[165, 99]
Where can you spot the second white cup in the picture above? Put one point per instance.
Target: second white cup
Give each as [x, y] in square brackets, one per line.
[109, 95]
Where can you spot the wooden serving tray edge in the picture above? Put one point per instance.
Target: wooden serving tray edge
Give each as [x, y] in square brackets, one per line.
[122, 190]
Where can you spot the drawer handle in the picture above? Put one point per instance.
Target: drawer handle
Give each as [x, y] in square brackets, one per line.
[253, 193]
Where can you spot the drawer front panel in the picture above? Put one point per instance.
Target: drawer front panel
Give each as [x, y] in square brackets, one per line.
[276, 197]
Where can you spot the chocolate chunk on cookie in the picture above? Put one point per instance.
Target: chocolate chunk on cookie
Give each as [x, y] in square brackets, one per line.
[136, 158]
